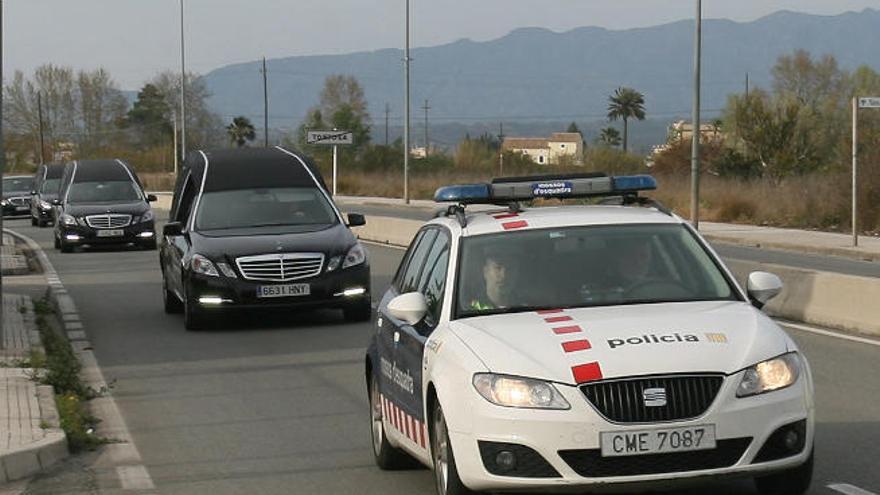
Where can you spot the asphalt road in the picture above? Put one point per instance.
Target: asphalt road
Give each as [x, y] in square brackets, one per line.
[271, 404]
[834, 264]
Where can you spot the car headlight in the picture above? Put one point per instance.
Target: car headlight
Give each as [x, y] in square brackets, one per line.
[203, 266]
[146, 217]
[773, 374]
[510, 391]
[45, 205]
[68, 219]
[356, 255]
[3, 202]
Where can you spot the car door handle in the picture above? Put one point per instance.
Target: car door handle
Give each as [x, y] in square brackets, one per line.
[396, 337]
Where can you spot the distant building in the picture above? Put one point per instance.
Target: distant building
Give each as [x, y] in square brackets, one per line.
[418, 152]
[548, 151]
[683, 131]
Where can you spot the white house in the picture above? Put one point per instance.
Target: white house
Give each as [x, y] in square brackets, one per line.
[546, 151]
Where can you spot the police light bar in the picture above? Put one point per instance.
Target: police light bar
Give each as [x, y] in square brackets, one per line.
[507, 190]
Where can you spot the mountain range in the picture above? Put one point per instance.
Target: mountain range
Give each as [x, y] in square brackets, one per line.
[534, 76]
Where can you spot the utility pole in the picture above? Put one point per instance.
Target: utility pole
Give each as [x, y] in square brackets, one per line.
[174, 139]
[182, 87]
[747, 87]
[406, 61]
[501, 149]
[387, 113]
[427, 141]
[695, 135]
[265, 105]
[40, 117]
[855, 169]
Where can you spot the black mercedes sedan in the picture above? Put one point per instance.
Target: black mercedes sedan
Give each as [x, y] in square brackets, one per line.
[47, 183]
[16, 200]
[256, 229]
[102, 202]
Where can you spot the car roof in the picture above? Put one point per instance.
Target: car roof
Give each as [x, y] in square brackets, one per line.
[503, 220]
[54, 170]
[101, 170]
[246, 168]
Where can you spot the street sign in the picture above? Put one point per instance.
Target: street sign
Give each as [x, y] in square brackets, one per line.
[330, 137]
[869, 102]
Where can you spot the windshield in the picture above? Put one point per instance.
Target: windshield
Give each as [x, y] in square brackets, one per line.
[18, 184]
[263, 207]
[51, 186]
[103, 192]
[585, 266]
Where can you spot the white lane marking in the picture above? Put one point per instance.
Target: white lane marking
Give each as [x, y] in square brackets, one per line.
[829, 333]
[134, 478]
[848, 489]
[374, 243]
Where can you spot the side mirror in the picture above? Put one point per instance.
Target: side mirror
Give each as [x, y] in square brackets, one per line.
[151, 198]
[410, 307]
[56, 202]
[762, 287]
[356, 220]
[172, 229]
[33, 193]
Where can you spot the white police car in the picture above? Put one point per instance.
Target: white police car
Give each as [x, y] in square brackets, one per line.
[580, 348]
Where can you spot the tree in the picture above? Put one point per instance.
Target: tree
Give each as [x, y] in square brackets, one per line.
[204, 128]
[150, 115]
[241, 131]
[342, 106]
[609, 136]
[573, 127]
[340, 90]
[625, 104]
[101, 109]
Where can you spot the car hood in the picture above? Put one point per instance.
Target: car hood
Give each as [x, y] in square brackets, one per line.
[621, 341]
[83, 209]
[336, 239]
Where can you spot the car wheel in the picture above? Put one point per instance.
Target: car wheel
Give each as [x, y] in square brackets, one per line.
[42, 223]
[794, 481]
[172, 303]
[387, 457]
[193, 319]
[34, 222]
[150, 246]
[361, 311]
[445, 472]
[65, 247]
[57, 241]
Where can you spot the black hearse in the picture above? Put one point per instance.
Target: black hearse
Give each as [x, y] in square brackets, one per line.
[102, 202]
[256, 228]
[47, 183]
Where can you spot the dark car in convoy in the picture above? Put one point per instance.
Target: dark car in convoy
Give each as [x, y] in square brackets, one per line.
[16, 199]
[102, 202]
[47, 183]
[256, 229]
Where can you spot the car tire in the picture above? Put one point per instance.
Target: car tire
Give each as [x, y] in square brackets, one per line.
[193, 318]
[358, 312]
[445, 471]
[386, 456]
[65, 247]
[150, 246]
[34, 222]
[57, 241]
[172, 303]
[42, 223]
[795, 481]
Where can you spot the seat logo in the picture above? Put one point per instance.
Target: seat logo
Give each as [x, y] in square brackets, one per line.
[654, 397]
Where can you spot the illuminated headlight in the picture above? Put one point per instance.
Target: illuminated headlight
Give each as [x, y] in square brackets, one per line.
[203, 266]
[773, 374]
[356, 255]
[45, 205]
[146, 217]
[68, 219]
[512, 391]
[3, 202]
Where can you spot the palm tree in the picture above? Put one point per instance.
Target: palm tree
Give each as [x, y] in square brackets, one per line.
[609, 136]
[241, 131]
[626, 103]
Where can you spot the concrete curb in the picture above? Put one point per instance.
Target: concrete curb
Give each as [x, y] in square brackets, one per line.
[844, 252]
[41, 455]
[819, 298]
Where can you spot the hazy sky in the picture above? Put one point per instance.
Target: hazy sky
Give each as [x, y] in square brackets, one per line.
[134, 39]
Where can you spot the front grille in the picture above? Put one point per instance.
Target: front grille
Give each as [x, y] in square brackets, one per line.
[624, 401]
[591, 464]
[108, 221]
[280, 267]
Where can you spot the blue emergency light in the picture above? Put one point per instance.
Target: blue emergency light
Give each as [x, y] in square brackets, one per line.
[514, 189]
